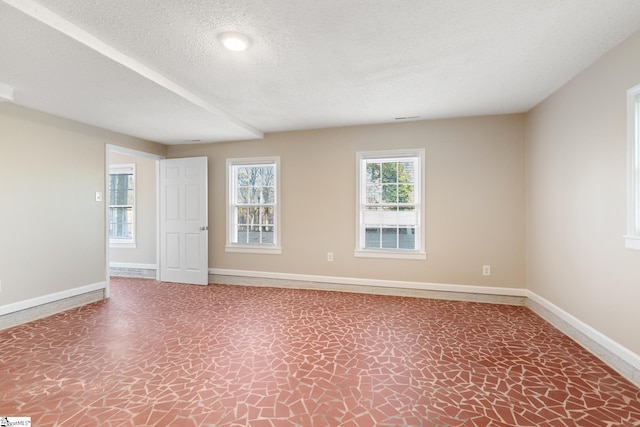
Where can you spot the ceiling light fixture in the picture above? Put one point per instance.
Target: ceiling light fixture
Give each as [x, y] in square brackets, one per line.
[236, 42]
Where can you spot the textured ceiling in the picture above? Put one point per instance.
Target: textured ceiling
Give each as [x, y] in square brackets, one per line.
[156, 70]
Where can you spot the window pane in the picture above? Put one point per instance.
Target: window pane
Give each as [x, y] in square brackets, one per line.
[120, 223]
[372, 237]
[374, 193]
[267, 216]
[243, 235]
[267, 174]
[268, 195]
[243, 195]
[390, 172]
[405, 193]
[389, 193]
[267, 235]
[407, 238]
[117, 231]
[373, 173]
[129, 196]
[254, 235]
[242, 177]
[254, 195]
[113, 215]
[242, 215]
[406, 173]
[121, 189]
[254, 216]
[257, 176]
[390, 238]
[254, 176]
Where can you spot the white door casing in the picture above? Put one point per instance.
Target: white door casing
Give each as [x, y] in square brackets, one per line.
[184, 221]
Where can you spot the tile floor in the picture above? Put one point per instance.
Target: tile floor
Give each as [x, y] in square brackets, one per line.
[160, 354]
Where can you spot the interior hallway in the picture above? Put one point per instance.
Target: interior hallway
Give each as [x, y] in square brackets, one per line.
[181, 355]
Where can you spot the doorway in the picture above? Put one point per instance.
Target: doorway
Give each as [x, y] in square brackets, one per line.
[156, 212]
[132, 212]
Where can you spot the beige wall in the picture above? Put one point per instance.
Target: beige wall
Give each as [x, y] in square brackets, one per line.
[576, 186]
[52, 231]
[145, 208]
[474, 200]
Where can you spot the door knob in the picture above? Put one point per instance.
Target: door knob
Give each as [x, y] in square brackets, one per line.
[204, 228]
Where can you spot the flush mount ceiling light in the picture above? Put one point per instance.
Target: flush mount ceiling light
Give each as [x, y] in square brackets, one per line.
[236, 42]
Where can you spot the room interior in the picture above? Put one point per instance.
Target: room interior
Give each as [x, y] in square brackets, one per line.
[534, 185]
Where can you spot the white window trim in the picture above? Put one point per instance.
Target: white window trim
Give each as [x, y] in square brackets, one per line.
[126, 243]
[417, 254]
[632, 238]
[275, 249]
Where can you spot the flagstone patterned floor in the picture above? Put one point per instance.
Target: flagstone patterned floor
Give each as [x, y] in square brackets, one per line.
[159, 354]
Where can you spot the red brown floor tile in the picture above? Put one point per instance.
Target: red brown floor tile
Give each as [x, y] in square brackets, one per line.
[171, 354]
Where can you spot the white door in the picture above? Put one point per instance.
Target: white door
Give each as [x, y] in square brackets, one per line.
[183, 221]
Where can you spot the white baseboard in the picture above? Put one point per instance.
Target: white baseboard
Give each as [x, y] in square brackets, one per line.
[36, 308]
[438, 287]
[610, 351]
[133, 265]
[130, 269]
[50, 298]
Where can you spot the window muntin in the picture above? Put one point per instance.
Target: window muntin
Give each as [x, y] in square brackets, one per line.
[253, 205]
[389, 204]
[122, 205]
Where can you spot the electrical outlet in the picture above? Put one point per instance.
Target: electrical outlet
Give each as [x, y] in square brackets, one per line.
[330, 256]
[98, 196]
[486, 270]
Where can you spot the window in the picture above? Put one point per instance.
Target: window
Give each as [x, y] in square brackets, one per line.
[632, 238]
[253, 197]
[122, 197]
[390, 212]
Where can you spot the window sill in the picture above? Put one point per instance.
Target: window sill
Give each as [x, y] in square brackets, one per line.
[122, 245]
[414, 255]
[247, 249]
[632, 242]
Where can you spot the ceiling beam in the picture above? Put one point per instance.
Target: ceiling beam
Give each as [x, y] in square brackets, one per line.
[58, 23]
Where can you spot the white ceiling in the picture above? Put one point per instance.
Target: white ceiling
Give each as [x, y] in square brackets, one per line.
[156, 70]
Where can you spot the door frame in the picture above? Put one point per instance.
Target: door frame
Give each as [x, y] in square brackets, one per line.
[111, 148]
